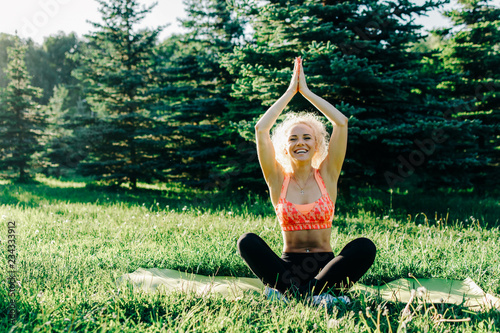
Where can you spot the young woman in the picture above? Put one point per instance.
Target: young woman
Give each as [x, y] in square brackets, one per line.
[301, 169]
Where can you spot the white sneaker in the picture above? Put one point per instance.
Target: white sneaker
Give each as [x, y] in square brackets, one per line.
[327, 300]
[274, 295]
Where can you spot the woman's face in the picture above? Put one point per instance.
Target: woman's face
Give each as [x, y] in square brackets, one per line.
[301, 142]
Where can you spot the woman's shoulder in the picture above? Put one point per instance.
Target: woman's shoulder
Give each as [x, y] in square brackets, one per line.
[275, 185]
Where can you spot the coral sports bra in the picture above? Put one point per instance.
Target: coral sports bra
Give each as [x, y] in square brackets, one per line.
[316, 215]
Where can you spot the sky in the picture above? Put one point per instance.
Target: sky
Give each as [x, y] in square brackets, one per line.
[37, 19]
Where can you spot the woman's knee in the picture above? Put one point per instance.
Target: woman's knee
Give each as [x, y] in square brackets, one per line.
[368, 247]
[362, 247]
[247, 240]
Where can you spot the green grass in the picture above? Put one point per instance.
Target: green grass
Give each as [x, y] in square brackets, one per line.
[74, 241]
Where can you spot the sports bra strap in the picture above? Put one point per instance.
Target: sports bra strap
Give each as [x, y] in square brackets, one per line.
[320, 182]
[284, 188]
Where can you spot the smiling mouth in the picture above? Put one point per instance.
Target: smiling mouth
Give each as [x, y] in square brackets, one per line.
[300, 151]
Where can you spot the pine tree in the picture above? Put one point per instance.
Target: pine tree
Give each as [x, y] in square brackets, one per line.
[196, 90]
[472, 52]
[21, 122]
[117, 73]
[358, 56]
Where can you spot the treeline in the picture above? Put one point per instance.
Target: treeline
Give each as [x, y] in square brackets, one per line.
[123, 107]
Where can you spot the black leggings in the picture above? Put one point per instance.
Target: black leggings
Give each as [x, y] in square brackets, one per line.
[307, 273]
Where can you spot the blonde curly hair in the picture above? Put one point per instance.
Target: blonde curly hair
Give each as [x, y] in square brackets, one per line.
[281, 132]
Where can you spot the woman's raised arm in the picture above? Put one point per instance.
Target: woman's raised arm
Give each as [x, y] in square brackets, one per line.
[338, 140]
[265, 148]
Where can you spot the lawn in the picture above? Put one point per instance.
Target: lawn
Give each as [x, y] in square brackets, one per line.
[72, 243]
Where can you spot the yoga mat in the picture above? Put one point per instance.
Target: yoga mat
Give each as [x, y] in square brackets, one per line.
[153, 279]
[436, 291]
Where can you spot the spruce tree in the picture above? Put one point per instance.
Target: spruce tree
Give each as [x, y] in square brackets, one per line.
[472, 53]
[61, 151]
[118, 77]
[358, 56]
[21, 122]
[197, 92]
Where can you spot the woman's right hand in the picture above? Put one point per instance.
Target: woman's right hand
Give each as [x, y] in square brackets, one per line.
[294, 83]
[303, 89]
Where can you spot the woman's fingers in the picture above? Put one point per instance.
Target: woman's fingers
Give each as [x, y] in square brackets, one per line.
[302, 77]
[294, 83]
[297, 60]
[296, 74]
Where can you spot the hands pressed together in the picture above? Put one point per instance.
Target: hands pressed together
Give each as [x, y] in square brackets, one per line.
[298, 82]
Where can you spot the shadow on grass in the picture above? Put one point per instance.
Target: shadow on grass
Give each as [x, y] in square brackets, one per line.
[442, 206]
[47, 192]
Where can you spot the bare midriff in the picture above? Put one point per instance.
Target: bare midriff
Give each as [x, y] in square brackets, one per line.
[307, 241]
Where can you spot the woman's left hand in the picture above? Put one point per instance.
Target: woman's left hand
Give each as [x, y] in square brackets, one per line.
[302, 78]
[294, 83]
